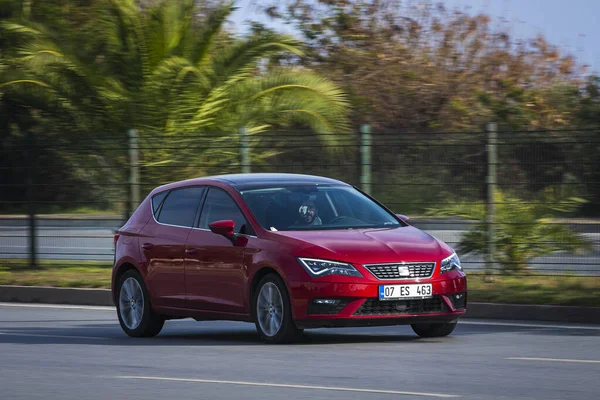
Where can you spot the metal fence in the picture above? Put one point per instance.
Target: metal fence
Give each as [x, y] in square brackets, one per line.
[526, 200]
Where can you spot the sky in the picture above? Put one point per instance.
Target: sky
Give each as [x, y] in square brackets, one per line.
[570, 24]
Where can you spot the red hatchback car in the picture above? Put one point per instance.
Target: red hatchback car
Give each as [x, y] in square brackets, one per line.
[284, 251]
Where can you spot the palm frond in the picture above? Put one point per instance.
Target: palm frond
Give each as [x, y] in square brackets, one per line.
[300, 96]
[168, 85]
[22, 30]
[198, 46]
[130, 26]
[24, 81]
[521, 233]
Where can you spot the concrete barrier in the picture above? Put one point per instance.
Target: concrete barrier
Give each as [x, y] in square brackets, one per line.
[114, 221]
[53, 295]
[582, 315]
[102, 297]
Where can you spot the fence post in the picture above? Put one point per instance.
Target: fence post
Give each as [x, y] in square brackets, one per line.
[492, 160]
[134, 172]
[245, 151]
[365, 159]
[31, 203]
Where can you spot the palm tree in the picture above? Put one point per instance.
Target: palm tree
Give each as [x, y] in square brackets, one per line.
[176, 77]
[525, 229]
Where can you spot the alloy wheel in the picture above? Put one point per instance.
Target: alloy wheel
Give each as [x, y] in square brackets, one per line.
[131, 303]
[270, 309]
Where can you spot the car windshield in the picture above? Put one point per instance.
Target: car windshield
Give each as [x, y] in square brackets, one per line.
[312, 207]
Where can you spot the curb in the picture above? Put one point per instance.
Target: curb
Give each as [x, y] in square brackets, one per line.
[530, 312]
[102, 297]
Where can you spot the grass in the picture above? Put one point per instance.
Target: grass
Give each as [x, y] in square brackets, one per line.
[523, 289]
[80, 274]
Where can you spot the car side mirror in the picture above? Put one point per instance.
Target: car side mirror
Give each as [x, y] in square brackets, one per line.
[402, 217]
[226, 228]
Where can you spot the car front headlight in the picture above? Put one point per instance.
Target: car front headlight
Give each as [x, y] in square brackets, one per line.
[317, 267]
[450, 263]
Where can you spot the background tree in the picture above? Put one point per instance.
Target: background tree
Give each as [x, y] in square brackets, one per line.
[167, 69]
[418, 67]
[422, 66]
[30, 111]
[525, 229]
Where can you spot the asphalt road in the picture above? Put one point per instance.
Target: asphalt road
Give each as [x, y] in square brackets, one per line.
[59, 243]
[70, 353]
[95, 242]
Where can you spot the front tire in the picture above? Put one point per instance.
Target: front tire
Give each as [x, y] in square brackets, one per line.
[273, 312]
[434, 330]
[135, 314]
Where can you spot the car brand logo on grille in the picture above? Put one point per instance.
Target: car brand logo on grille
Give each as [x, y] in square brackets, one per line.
[403, 271]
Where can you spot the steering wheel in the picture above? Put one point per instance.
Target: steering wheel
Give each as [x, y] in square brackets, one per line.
[338, 218]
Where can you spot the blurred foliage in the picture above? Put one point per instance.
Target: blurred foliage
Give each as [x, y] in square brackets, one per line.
[582, 291]
[419, 65]
[567, 290]
[85, 72]
[524, 229]
[76, 75]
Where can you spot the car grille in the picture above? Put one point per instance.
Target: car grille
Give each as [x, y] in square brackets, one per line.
[419, 306]
[391, 271]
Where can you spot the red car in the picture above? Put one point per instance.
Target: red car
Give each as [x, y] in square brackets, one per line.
[284, 251]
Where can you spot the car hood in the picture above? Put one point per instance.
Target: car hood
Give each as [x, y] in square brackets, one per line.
[367, 246]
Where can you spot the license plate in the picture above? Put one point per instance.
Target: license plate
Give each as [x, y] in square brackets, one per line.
[394, 292]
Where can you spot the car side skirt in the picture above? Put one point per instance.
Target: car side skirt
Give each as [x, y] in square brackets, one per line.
[201, 315]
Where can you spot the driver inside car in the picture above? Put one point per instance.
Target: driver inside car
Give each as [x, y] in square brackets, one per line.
[308, 214]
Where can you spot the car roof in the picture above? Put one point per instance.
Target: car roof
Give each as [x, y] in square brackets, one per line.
[244, 181]
[256, 180]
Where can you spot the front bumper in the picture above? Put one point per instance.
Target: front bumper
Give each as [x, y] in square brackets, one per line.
[358, 304]
[364, 322]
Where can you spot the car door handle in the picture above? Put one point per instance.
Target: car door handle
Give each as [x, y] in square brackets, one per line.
[147, 246]
[191, 251]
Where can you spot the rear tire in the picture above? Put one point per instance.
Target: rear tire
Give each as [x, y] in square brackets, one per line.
[272, 311]
[434, 330]
[135, 313]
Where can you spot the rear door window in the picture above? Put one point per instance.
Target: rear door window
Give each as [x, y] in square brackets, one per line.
[180, 206]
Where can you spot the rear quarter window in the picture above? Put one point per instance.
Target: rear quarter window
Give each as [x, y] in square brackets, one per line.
[157, 201]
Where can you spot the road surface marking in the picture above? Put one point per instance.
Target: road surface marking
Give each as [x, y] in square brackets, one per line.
[52, 336]
[282, 385]
[526, 325]
[554, 360]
